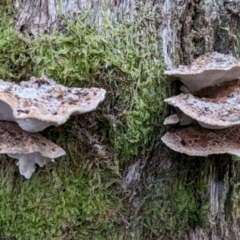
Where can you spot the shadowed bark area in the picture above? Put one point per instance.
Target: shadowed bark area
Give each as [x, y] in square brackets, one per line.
[188, 29]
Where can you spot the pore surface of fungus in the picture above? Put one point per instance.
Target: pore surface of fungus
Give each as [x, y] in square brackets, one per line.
[218, 108]
[29, 148]
[41, 102]
[208, 70]
[197, 141]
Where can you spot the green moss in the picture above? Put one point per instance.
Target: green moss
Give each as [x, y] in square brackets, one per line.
[79, 195]
[54, 200]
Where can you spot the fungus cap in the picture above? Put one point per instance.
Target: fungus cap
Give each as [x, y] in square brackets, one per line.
[29, 148]
[41, 102]
[218, 108]
[197, 141]
[172, 119]
[208, 70]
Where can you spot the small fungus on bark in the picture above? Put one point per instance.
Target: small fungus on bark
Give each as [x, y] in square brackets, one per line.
[208, 70]
[29, 148]
[172, 119]
[41, 102]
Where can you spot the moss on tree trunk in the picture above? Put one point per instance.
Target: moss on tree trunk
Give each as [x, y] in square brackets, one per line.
[118, 181]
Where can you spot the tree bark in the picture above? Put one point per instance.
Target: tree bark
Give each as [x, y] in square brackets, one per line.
[188, 29]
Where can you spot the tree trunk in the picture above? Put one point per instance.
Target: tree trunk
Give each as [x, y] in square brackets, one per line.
[171, 196]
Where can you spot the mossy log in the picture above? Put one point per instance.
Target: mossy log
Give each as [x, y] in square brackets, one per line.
[118, 181]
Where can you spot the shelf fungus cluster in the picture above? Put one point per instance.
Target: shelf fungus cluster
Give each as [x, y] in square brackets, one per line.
[208, 110]
[33, 106]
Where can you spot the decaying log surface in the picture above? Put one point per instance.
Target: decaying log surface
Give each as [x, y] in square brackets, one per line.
[188, 29]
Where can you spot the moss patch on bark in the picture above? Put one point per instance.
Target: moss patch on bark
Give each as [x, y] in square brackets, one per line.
[80, 195]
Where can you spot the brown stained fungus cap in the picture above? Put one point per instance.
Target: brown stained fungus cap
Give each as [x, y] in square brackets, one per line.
[219, 106]
[208, 70]
[197, 141]
[41, 102]
[29, 148]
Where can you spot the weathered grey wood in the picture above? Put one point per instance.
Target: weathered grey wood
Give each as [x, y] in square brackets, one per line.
[189, 28]
[43, 15]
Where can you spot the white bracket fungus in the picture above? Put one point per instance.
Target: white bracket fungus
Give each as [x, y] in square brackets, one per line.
[29, 148]
[213, 102]
[221, 110]
[41, 102]
[208, 70]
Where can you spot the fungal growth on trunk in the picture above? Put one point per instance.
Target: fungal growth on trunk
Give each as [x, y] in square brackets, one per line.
[213, 112]
[220, 109]
[34, 106]
[208, 70]
[197, 141]
[29, 148]
[41, 102]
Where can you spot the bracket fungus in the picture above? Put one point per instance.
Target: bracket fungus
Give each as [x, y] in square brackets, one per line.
[41, 102]
[197, 141]
[215, 108]
[29, 148]
[208, 70]
[221, 110]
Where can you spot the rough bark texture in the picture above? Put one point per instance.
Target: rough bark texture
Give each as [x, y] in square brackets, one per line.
[188, 29]
[194, 28]
[45, 14]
